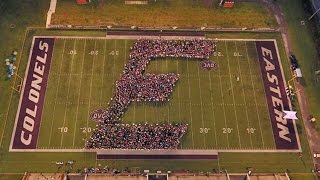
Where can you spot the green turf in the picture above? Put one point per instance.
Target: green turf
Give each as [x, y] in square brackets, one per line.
[306, 53]
[180, 13]
[32, 13]
[221, 112]
[42, 162]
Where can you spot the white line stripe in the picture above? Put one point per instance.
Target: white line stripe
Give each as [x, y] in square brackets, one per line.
[151, 37]
[44, 102]
[201, 108]
[108, 74]
[254, 95]
[265, 95]
[178, 89]
[235, 110]
[103, 70]
[191, 151]
[57, 92]
[244, 96]
[213, 113]
[79, 92]
[68, 92]
[190, 105]
[289, 101]
[21, 93]
[114, 67]
[90, 91]
[221, 91]
[168, 103]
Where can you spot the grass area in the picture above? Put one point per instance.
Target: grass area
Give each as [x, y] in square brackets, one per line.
[181, 13]
[303, 176]
[43, 162]
[305, 51]
[81, 81]
[32, 13]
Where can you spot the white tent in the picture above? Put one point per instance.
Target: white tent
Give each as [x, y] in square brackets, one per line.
[290, 115]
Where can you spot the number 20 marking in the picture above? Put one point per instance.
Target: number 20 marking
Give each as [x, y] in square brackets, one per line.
[227, 130]
[86, 129]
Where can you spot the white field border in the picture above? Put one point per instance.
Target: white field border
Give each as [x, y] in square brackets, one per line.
[108, 151]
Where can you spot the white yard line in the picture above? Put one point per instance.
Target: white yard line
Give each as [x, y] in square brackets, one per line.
[79, 92]
[244, 96]
[190, 105]
[90, 91]
[56, 96]
[254, 95]
[221, 91]
[157, 103]
[179, 92]
[265, 95]
[168, 103]
[179, 99]
[190, 151]
[44, 102]
[201, 108]
[235, 110]
[213, 114]
[114, 67]
[145, 112]
[68, 92]
[125, 51]
[103, 70]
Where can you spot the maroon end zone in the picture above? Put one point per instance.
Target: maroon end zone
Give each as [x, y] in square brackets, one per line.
[283, 129]
[29, 113]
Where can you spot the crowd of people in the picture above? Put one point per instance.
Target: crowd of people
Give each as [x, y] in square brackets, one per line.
[134, 85]
[125, 136]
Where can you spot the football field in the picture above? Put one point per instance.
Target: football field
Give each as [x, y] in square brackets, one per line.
[225, 106]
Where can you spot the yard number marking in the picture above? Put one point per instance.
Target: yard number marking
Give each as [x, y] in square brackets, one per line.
[227, 130]
[86, 129]
[63, 129]
[235, 54]
[204, 130]
[217, 53]
[94, 53]
[72, 52]
[251, 130]
[114, 53]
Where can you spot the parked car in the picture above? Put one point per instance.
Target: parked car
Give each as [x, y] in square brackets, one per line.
[294, 62]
